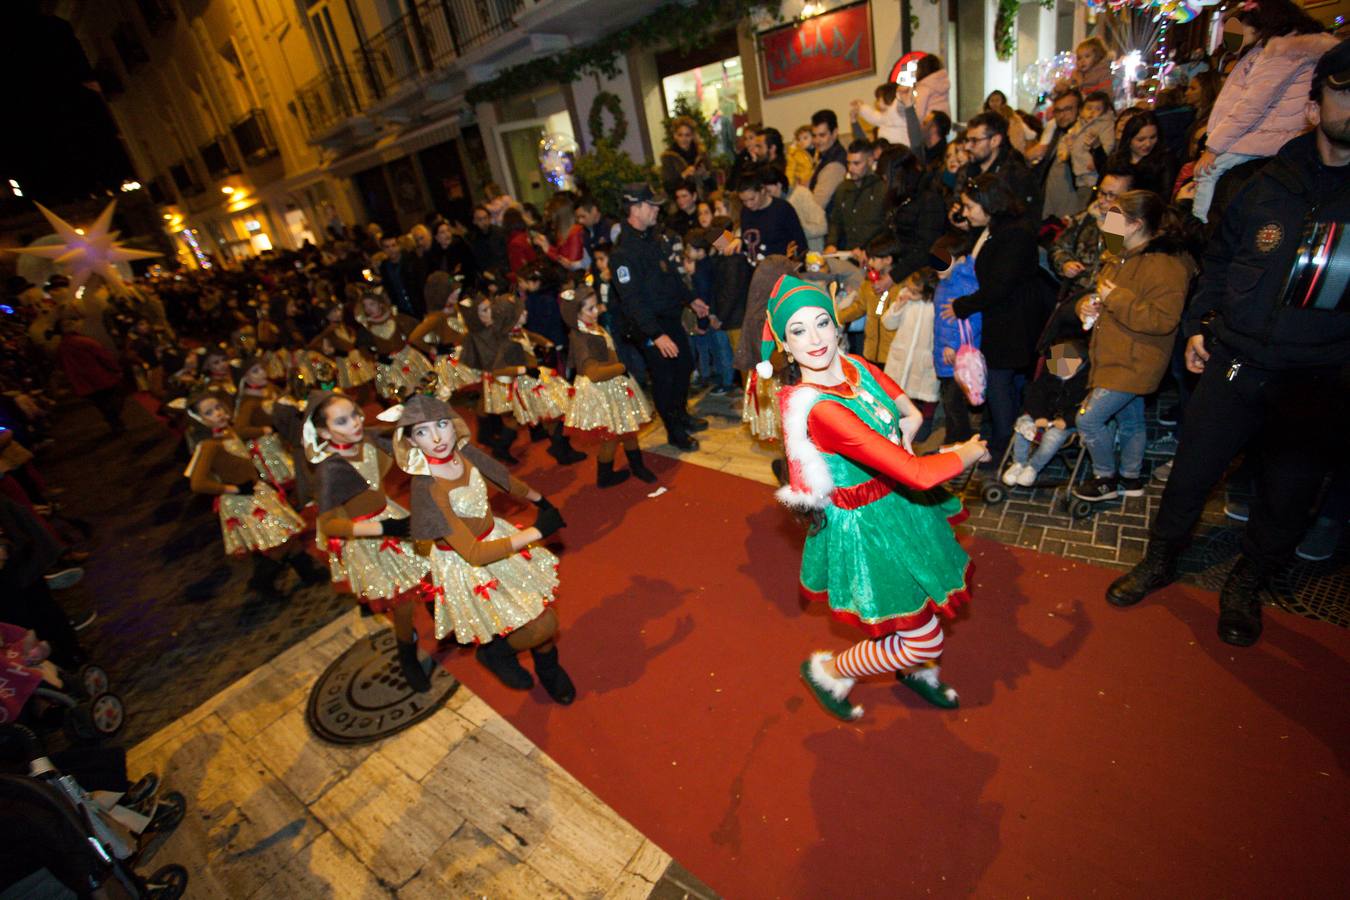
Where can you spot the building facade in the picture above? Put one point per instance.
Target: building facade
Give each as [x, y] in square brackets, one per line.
[256, 123]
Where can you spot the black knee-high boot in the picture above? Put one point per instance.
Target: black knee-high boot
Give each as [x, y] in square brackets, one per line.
[411, 667]
[552, 676]
[501, 443]
[263, 581]
[561, 449]
[488, 427]
[499, 658]
[637, 466]
[308, 569]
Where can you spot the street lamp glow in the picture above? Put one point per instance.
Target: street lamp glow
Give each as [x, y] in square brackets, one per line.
[129, 186]
[227, 190]
[14, 186]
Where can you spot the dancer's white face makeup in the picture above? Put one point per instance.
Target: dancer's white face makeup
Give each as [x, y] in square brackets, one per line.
[343, 422]
[589, 313]
[812, 338]
[213, 414]
[433, 438]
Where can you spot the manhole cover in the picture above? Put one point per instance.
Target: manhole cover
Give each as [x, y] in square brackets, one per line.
[363, 697]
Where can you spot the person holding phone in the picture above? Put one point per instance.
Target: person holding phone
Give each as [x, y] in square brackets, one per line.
[1133, 317]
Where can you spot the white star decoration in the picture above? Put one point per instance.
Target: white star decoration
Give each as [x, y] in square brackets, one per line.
[94, 251]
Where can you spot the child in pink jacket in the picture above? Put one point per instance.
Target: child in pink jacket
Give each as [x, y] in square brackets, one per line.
[1263, 102]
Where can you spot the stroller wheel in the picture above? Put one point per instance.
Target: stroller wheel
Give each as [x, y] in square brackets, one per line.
[78, 724]
[94, 678]
[108, 714]
[168, 812]
[167, 883]
[994, 493]
[1080, 509]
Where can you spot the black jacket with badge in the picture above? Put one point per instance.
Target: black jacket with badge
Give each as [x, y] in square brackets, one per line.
[652, 295]
[1242, 283]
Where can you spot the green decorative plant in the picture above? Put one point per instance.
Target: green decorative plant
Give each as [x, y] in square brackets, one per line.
[1005, 26]
[606, 102]
[604, 171]
[683, 26]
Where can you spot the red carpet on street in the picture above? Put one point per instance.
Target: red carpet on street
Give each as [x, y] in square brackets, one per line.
[1097, 752]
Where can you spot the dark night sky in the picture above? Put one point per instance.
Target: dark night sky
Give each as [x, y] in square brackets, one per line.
[60, 141]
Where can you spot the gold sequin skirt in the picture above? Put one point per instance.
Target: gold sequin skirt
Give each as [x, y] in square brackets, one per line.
[377, 569]
[256, 522]
[354, 369]
[534, 400]
[610, 408]
[278, 362]
[452, 375]
[759, 408]
[402, 375]
[272, 460]
[480, 603]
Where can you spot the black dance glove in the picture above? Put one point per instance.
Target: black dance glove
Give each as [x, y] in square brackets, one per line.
[532, 371]
[245, 488]
[549, 522]
[399, 528]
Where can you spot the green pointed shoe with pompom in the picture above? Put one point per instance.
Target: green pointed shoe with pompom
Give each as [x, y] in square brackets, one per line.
[941, 695]
[831, 693]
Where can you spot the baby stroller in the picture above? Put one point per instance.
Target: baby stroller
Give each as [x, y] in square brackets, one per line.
[1071, 455]
[53, 831]
[84, 707]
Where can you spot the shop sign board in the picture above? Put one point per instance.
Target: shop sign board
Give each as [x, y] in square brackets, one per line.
[833, 46]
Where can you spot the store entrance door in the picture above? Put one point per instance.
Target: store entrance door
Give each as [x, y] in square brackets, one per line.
[520, 149]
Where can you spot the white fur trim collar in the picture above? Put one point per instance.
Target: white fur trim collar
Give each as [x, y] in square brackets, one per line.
[812, 490]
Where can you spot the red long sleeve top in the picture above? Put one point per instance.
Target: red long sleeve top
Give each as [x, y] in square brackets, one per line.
[836, 429]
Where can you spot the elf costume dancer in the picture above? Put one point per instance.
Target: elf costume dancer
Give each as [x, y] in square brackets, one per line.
[880, 551]
[532, 394]
[491, 585]
[254, 516]
[384, 334]
[363, 531]
[441, 334]
[606, 402]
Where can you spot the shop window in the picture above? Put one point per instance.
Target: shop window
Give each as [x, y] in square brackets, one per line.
[712, 80]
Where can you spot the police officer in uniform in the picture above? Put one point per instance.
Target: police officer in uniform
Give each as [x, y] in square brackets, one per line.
[1269, 334]
[652, 296]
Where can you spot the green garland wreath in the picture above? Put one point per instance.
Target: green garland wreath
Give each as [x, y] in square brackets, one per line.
[605, 102]
[1005, 26]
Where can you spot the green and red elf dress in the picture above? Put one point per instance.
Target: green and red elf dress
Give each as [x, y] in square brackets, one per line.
[885, 557]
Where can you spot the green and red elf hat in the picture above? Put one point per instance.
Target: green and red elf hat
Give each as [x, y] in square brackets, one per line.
[789, 295]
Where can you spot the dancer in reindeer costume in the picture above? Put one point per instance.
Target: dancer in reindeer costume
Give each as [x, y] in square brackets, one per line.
[880, 550]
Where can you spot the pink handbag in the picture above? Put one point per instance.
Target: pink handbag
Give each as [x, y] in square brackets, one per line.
[970, 370]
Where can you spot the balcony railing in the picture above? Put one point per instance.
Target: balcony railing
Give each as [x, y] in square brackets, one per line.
[216, 160]
[187, 183]
[426, 39]
[330, 99]
[253, 137]
[476, 22]
[430, 37]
